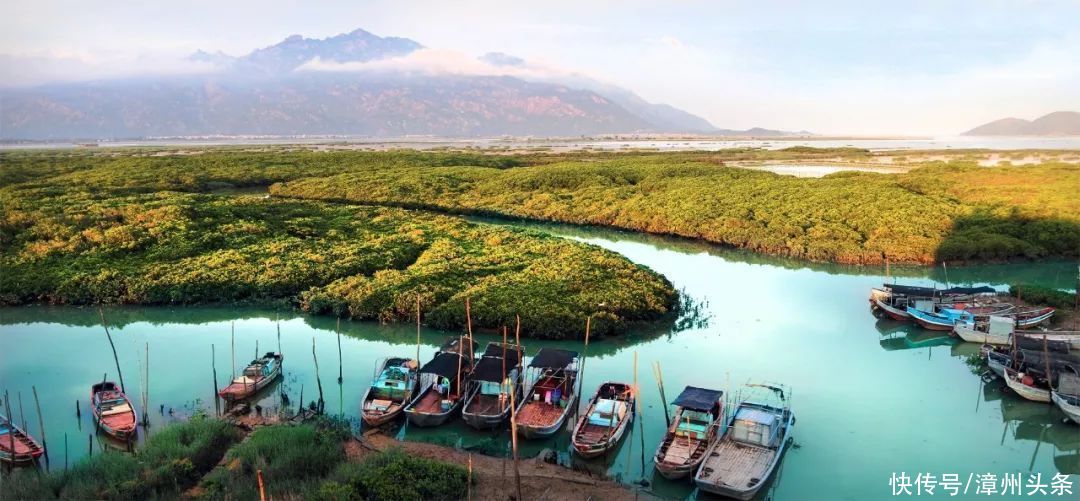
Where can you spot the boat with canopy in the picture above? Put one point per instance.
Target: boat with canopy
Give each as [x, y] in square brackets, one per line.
[552, 393]
[496, 376]
[698, 421]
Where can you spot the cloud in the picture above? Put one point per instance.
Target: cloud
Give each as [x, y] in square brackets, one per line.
[442, 62]
[17, 70]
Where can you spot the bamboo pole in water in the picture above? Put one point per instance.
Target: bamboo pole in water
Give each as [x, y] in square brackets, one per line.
[460, 356]
[468, 484]
[418, 331]
[11, 433]
[116, 359]
[1046, 357]
[90, 444]
[663, 398]
[468, 324]
[502, 382]
[514, 443]
[41, 426]
[65, 452]
[317, 380]
[232, 340]
[22, 415]
[146, 390]
[340, 365]
[213, 365]
[278, 324]
[581, 373]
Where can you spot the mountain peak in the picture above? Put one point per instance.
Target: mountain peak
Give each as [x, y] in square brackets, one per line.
[1058, 123]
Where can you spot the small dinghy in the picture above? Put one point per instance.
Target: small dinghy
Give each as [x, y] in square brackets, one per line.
[1026, 386]
[552, 393]
[487, 394]
[605, 420]
[997, 359]
[16, 446]
[699, 417]
[1067, 396]
[741, 462]
[256, 376]
[927, 316]
[391, 390]
[113, 412]
[441, 382]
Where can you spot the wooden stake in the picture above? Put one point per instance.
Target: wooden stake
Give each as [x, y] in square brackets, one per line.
[278, 336]
[417, 330]
[502, 382]
[116, 359]
[1046, 358]
[663, 398]
[146, 390]
[340, 365]
[460, 356]
[90, 447]
[468, 324]
[65, 452]
[22, 415]
[584, 356]
[213, 365]
[11, 433]
[41, 426]
[468, 485]
[262, 488]
[318, 381]
[514, 444]
[232, 340]
[78, 411]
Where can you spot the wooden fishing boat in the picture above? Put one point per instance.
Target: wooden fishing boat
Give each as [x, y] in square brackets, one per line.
[552, 395]
[16, 446]
[441, 382]
[391, 390]
[1067, 396]
[892, 300]
[946, 318]
[1026, 386]
[256, 376]
[699, 417]
[605, 420]
[994, 330]
[112, 410]
[487, 394]
[1030, 317]
[996, 359]
[742, 461]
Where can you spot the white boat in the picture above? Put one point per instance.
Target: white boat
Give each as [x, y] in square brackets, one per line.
[998, 330]
[741, 462]
[1067, 396]
[1024, 385]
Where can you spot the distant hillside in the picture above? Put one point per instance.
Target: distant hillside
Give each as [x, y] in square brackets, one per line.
[1058, 123]
[270, 92]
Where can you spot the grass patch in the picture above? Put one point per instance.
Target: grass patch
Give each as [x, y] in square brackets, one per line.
[394, 475]
[169, 462]
[1035, 294]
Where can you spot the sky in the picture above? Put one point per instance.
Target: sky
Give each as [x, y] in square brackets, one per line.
[852, 68]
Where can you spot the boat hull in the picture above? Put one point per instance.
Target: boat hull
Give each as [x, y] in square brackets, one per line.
[968, 333]
[590, 450]
[485, 421]
[376, 419]
[1070, 410]
[531, 432]
[26, 451]
[748, 493]
[428, 420]
[891, 312]
[122, 426]
[997, 363]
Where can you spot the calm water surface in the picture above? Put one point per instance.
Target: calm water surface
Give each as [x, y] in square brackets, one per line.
[872, 397]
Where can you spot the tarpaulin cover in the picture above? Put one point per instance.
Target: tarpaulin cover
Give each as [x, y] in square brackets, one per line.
[513, 356]
[699, 399]
[445, 365]
[553, 358]
[909, 290]
[491, 369]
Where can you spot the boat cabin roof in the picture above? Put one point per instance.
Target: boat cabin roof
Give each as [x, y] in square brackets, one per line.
[699, 399]
[491, 368]
[445, 365]
[495, 350]
[758, 416]
[553, 358]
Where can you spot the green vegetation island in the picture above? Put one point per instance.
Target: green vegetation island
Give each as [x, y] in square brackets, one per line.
[356, 234]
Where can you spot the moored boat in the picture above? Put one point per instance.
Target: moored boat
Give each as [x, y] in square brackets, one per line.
[391, 390]
[996, 359]
[256, 376]
[487, 393]
[442, 380]
[741, 462]
[112, 410]
[605, 420]
[946, 318]
[1067, 396]
[1026, 386]
[1030, 317]
[892, 300]
[16, 446]
[994, 330]
[552, 393]
[697, 424]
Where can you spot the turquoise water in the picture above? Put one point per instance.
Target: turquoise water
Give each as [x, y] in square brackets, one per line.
[872, 397]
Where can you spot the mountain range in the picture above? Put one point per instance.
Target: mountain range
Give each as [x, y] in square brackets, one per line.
[355, 83]
[1058, 123]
